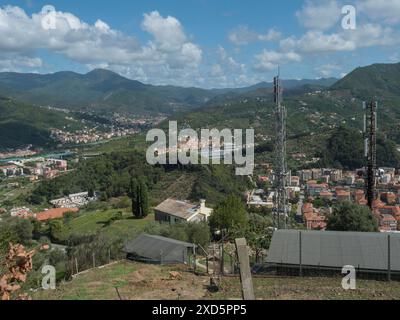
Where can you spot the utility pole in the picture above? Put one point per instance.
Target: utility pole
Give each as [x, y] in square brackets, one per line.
[280, 169]
[370, 127]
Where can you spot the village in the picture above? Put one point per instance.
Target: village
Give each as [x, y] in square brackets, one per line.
[313, 192]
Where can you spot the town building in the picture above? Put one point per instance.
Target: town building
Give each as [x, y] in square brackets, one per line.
[342, 194]
[295, 181]
[389, 198]
[387, 223]
[316, 174]
[336, 175]
[313, 188]
[77, 200]
[305, 175]
[326, 195]
[312, 218]
[21, 212]
[11, 170]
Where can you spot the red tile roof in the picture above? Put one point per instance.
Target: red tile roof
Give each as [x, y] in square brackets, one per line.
[54, 213]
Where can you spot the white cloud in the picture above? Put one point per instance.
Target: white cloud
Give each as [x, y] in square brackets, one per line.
[271, 35]
[242, 35]
[99, 44]
[367, 35]
[17, 63]
[319, 15]
[167, 32]
[270, 60]
[101, 25]
[370, 34]
[317, 41]
[227, 60]
[217, 70]
[328, 70]
[384, 11]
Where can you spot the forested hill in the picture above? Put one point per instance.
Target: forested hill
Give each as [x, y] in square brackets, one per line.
[314, 115]
[100, 90]
[378, 80]
[107, 92]
[22, 124]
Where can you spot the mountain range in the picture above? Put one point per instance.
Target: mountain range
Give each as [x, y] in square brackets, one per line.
[315, 107]
[107, 92]
[314, 114]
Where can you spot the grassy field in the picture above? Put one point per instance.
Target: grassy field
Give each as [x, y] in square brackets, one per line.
[97, 222]
[130, 143]
[137, 281]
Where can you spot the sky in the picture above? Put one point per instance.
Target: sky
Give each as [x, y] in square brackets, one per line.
[202, 43]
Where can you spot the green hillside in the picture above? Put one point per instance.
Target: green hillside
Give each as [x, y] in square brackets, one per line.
[100, 90]
[110, 174]
[107, 92]
[315, 115]
[22, 124]
[378, 80]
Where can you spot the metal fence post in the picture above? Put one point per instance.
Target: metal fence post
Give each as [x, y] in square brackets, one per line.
[194, 257]
[222, 257]
[389, 262]
[300, 257]
[76, 265]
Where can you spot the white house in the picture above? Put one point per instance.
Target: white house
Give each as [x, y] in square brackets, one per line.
[175, 211]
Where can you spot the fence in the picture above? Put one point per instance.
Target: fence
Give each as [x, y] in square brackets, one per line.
[82, 261]
[306, 253]
[373, 256]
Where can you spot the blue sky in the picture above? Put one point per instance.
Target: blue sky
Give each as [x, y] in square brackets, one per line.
[204, 43]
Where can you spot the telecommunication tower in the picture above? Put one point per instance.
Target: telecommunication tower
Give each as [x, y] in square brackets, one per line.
[370, 127]
[280, 169]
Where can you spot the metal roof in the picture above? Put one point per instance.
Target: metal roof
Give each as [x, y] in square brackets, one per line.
[160, 249]
[363, 250]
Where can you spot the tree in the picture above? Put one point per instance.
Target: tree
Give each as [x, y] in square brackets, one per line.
[230, 214]
[259, 234]
[56, 229]
[15, 230]
[348, 216]
[143, 199]
[23, 229]
[91, 190]
[140, 199]
[199, 233]
[133, 189]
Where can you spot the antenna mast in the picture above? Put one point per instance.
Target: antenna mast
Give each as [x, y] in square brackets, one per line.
[370, 127]
[280, 170]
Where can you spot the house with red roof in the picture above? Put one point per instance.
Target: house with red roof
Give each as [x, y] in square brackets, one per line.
[55, 213]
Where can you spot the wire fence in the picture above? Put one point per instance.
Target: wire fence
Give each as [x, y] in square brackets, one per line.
[368, 258]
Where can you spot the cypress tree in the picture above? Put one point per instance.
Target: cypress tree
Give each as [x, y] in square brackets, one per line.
[133, 194]
[144, 199]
